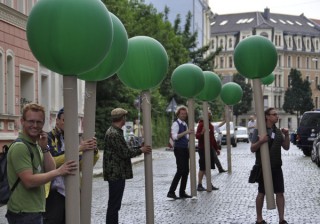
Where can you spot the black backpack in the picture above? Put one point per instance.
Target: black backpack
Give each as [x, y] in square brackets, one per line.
[5, 190]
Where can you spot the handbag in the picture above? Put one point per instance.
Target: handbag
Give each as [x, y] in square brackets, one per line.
[255, 174]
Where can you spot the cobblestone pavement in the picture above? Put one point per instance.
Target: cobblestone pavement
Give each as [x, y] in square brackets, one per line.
[233, 203]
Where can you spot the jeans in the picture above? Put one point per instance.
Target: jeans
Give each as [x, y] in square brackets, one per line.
[55, 208]
[116, 189]
[24, 217]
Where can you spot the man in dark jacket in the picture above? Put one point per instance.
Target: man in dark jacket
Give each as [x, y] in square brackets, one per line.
[117, 165]
[276, 139]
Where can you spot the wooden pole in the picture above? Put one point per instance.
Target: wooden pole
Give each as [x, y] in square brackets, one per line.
[264, 149]
[71, 140]
[146, 112]
[87, 157]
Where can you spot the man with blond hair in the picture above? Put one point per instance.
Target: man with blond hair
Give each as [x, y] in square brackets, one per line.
[180, 135]
[32, 168]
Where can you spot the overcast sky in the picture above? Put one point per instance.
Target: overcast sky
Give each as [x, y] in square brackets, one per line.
[310, 8]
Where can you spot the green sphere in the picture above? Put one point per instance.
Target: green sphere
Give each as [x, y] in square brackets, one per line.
[146, 64]
[69, 36]
[212, 87]
[231, 93]
[255, 57]
[187, 80]
[268, 79]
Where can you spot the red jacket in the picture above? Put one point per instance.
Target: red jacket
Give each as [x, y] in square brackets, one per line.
[200, 137]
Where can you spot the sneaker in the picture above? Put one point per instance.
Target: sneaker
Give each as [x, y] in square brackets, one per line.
[200, 188]
[222, 170]
[184, 195]
[283, 222]
[262, 222]
[214, 188]
[172, 195]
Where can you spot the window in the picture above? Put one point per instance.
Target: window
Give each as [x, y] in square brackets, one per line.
[317, 81]
[316, 100]
[221, 43]
[299, 43]
[10, 77]
[298, 62]
[279, 80]
[289, 61]
[265, 102]
[29, 6]
[8, 3]
[275, 101]
[21, 6]
[289, 42]
[307, 63]
[279, 101]
[279, 60]
[230, 43]
[275, 80]
[221, 62]
[230, 62]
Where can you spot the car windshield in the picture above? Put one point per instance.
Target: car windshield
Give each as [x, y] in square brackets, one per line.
[310, 119]
[241, 131]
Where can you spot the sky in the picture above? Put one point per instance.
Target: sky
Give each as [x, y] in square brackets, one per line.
[310, 8]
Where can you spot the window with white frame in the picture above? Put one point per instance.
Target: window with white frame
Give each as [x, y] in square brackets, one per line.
[221, 62]
[307, 62]
[10, 84]
[21, 6]
[230, 62]
[298, 62]
[289, 61]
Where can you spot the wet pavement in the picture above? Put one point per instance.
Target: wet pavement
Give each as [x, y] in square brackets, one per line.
[233, 203]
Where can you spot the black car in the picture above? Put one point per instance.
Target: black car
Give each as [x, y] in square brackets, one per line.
[307, 131]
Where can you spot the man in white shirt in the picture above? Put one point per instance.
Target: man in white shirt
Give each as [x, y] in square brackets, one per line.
[180, 135]
[251, 126]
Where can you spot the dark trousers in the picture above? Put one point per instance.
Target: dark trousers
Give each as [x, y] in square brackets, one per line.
[216, 159]
[116, 189]
[24, 217]
[55, 208]
[182, 160]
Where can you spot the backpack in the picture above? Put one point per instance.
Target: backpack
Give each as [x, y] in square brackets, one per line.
[5, 190]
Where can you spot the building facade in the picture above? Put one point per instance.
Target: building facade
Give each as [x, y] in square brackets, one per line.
[22, 78]
[297, 40]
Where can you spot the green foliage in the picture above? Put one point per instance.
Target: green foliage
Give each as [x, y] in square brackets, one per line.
[160, 131]
[298, 96]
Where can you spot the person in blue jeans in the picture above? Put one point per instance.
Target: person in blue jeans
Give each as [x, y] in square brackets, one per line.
[180, 135]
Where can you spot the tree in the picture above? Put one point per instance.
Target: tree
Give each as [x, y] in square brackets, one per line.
[245, 105]
[298, 96]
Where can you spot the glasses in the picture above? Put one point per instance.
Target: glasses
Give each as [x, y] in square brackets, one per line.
[33, 122]
[274, 114]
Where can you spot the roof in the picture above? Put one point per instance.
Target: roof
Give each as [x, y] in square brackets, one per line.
[234, 23]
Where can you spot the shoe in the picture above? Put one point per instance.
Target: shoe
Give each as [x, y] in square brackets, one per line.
[262, 222]
[283, 222]
[184, 195]
[214, 188]
[200, 188]
[172, 195]
[222, 170]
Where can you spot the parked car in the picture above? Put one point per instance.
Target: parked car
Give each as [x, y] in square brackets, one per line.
[315, 152]
[293, 137]
[242, 134]
[233, 136]
[307, 131]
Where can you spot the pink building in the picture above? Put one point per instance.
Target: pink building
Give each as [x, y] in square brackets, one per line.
[22, 78]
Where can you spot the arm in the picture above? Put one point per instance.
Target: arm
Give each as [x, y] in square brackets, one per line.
[261, 140]
[48, 161]
[30, 180]
[286, 141]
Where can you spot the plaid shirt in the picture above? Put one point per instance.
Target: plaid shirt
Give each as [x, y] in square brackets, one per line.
[117, 156]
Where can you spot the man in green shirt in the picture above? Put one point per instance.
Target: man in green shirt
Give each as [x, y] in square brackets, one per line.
[117, 165]
[27, 202]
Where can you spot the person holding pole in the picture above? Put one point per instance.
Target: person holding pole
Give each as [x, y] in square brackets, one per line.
[180, 134]
[32, 169]
[214, 152]
[55, 191]
[276, 139]
[117, 165]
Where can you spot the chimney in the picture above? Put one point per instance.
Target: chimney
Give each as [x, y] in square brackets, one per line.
[266, 13]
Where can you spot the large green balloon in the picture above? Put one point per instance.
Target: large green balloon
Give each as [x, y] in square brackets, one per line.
[212, 87]
[69, 36]
[268, 79]
[231, 93]
[255, 57]
[187, 80]
[146, 64]
[114, 59]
